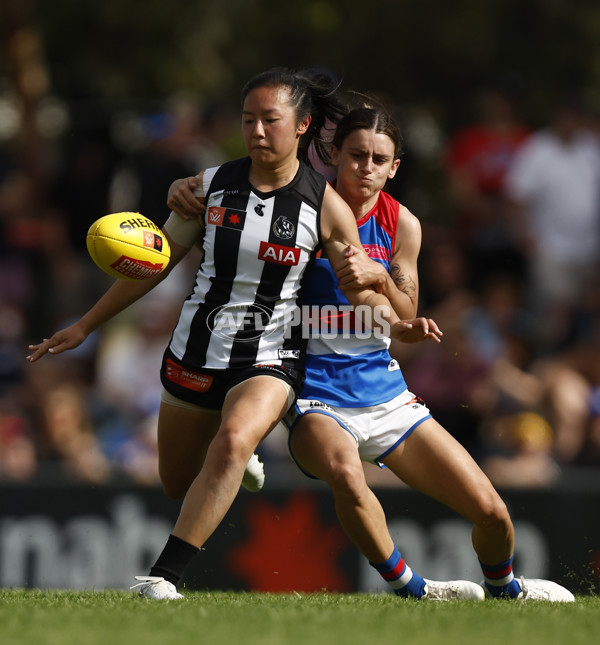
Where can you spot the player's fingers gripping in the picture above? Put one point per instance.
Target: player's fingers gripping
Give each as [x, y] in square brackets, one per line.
[357, 270]
[193, 205]
[193, 197]
[182, 207]
[182, 200]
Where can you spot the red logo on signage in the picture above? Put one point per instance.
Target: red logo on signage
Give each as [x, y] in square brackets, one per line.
[276, 531]
[278, 254]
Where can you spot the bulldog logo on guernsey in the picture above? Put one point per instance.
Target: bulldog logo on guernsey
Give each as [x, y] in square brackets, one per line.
[278, 254]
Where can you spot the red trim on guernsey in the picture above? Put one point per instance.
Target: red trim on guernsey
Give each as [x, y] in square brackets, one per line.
[388, 209]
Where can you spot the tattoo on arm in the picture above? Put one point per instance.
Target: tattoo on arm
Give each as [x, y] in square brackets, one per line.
[405, 283]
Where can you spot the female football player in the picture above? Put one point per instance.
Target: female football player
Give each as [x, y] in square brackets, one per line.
[231, 370]
[356, 405]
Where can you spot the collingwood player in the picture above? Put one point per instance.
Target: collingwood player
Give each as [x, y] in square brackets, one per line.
[233, 367]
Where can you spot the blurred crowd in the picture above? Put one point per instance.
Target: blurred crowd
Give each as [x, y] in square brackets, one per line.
[508, 269]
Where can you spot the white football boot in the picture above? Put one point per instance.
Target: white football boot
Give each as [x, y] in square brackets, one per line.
[538, 589]
[453, 590]
[254, 475]
[156, 588]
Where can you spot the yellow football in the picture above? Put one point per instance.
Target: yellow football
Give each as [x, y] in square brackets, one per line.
[128, 246]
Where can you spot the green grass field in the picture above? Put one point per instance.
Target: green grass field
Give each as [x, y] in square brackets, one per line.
[115, 617]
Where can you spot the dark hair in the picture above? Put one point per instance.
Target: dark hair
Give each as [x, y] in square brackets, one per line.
[314, 93]
[369, 118]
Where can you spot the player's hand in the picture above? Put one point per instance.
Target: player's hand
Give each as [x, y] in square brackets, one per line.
[182, 200]
[358, 271]
[68, 338]
[416, 331]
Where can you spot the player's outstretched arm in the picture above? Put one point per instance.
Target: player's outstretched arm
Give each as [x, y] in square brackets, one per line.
[119, 296]
[67, 338]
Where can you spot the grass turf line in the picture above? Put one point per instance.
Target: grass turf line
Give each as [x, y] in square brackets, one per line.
[29, 617]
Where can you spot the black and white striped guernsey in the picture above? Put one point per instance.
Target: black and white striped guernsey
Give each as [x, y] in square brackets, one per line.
[256, 247]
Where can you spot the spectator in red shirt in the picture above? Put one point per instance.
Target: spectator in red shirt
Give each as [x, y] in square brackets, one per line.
[476, 161]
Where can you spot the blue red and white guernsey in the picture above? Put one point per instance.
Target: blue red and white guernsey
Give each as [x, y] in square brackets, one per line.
[256, 248]
[347, 369]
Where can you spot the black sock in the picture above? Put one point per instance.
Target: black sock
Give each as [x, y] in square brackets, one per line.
[173, 560]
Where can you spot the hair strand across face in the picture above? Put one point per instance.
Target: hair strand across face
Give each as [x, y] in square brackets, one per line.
[312, 93]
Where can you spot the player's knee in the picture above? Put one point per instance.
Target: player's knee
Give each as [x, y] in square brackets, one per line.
[232, 446]
[493, 514]
[348, 480]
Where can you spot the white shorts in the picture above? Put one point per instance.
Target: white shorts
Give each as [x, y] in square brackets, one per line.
[377, 430]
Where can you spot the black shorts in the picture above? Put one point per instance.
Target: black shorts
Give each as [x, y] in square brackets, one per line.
[208, 388]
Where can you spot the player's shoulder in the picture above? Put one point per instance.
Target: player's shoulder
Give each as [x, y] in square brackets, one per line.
[398, 214]
[407, 218]
[228, 173]
[331, 194]
[408, 229]
[310, 185]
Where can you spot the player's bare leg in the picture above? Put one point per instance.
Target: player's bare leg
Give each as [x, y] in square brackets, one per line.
[432, 461]
[184, 435]
[250, 412]
[325, 450]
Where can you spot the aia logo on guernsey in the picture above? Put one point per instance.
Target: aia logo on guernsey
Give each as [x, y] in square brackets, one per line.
[278, 254]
